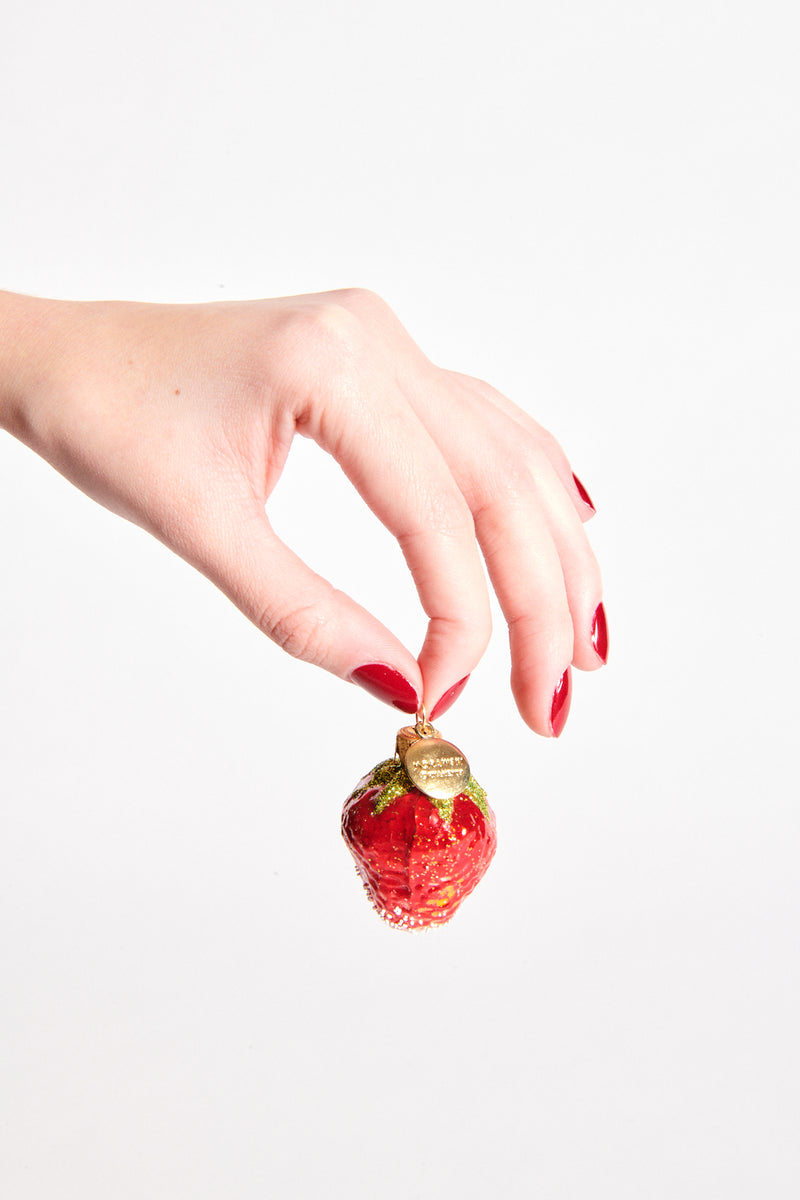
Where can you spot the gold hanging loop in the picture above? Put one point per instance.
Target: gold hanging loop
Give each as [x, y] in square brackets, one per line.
[423, 726]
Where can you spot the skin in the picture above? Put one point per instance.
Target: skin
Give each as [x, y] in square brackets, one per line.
[180, 418]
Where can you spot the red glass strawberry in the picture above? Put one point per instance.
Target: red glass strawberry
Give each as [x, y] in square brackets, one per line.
[419, 855]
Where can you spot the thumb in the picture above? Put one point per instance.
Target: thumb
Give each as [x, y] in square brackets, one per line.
[302, 612]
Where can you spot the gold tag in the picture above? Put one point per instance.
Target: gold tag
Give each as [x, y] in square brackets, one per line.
[436, 767]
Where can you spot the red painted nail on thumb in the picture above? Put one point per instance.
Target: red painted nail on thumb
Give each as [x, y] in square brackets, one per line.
[387, 684]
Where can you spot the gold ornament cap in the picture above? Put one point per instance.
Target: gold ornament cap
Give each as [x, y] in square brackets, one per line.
[435, 767]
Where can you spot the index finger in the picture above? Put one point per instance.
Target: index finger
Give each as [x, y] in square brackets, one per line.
[398, 469]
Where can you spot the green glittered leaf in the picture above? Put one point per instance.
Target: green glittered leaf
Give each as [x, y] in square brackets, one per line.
[376, 778]
[390, 779]
[444, 808]
[477, 795]
[397, 784]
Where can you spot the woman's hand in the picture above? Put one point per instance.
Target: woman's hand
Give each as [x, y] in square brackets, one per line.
[180, 418]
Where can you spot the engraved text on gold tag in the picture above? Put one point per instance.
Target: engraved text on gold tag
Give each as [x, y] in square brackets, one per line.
[436, 767]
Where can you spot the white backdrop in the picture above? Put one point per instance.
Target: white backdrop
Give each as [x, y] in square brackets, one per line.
[594, 206]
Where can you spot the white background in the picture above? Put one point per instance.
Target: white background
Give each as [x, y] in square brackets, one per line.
[594, 206]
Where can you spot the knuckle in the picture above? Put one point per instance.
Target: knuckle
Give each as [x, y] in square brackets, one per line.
[481, 627]
[484, 388]
[546, 439]
[472, 382]
[358, 299]
[323, 356]
[503, 480]
[326, 331]
[445, 513]
[549, 628]
[301, 632]
[583, 573]
[336, 323]
[378, 320]
[593, 578]
[334, 326]
[549, 446]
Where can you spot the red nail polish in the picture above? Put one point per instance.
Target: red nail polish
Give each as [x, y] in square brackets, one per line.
[582, 492]
[388, 685]
[449, 698]
[600, 633]
[559, 709]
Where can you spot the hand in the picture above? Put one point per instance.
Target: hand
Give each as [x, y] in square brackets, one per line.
[180, 418]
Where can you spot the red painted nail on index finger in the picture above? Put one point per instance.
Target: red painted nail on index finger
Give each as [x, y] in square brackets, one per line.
[582, 492]
[559, 709]
[600, 633]
[449, 698]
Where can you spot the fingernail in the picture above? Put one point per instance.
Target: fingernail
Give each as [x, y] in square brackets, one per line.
[388, 685]
[600, 633]
[582, 492]
[449, 698]
[559, 709]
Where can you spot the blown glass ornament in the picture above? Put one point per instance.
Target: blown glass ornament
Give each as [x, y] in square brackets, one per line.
[420, 830]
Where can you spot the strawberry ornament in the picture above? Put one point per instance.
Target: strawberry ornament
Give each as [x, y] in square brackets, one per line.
[420, 830]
